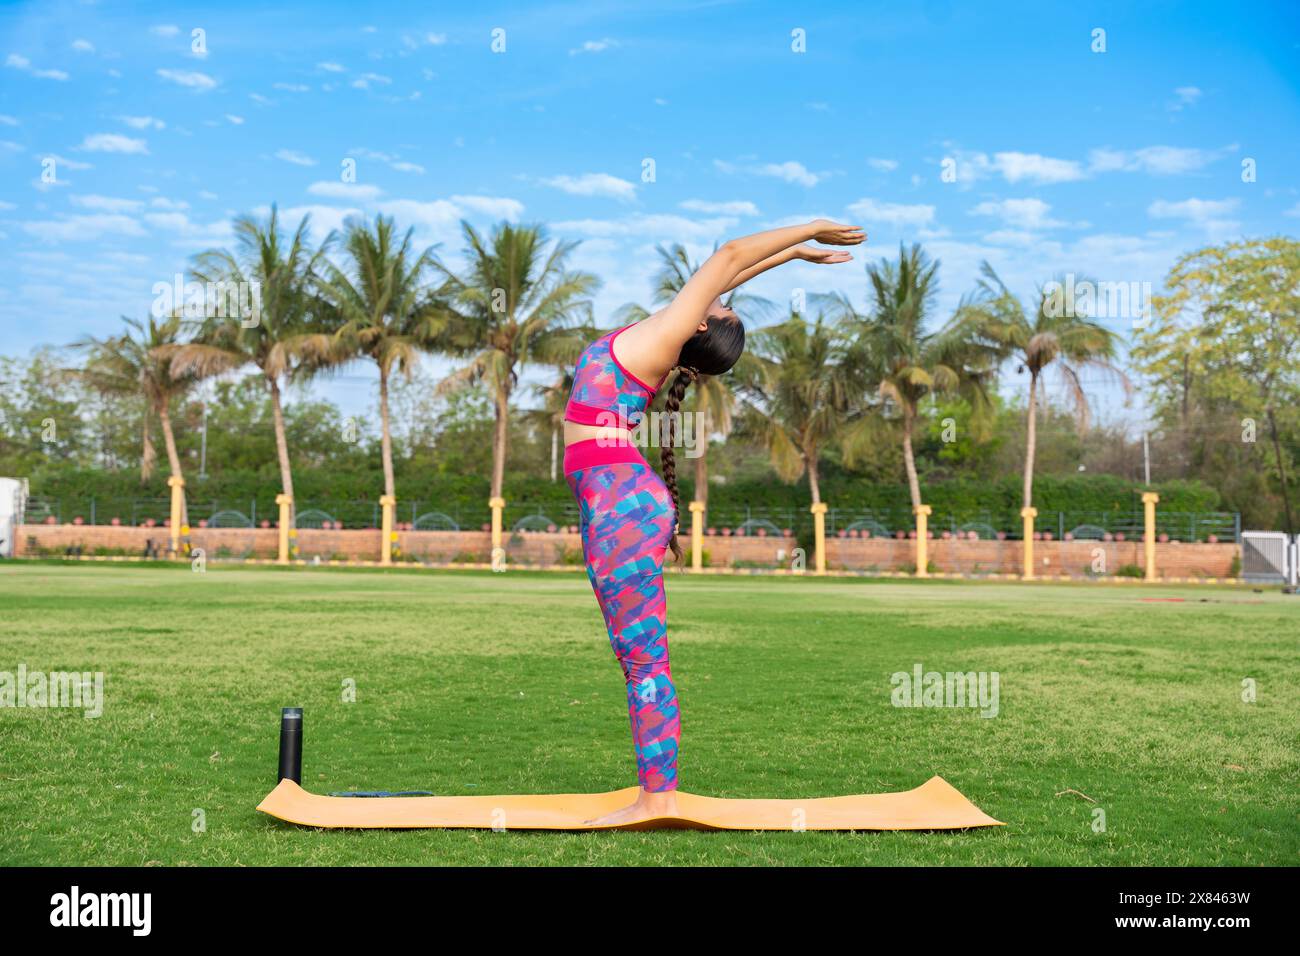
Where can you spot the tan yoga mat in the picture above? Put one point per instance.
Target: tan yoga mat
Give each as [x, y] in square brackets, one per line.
[935, 805]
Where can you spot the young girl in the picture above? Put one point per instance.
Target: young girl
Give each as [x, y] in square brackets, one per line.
[629, 515]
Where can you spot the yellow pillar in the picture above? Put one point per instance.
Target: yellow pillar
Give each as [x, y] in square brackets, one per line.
[697, 535]
[1149, 499]
[496, 504]
[819, 535]
[922, 513]
[286, 507]
[1028, 514]
[177, 485]
[387, 503]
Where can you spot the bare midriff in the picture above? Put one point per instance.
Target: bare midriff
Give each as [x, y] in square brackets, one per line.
[574, 432]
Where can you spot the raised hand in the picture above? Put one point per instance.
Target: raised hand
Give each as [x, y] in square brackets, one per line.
[837, 234]
[821, 256]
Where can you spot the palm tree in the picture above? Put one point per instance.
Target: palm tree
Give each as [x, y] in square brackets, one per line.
[911, 364]
[382, 309]
[1054, 337]
[515, 303]
[137, 363]
[555, 397]
[805, 387]
[287, 341]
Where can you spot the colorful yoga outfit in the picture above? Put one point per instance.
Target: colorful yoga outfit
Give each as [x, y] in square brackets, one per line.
[627, 521]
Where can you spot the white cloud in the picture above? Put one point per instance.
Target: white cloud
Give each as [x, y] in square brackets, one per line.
[162, 202]
[1186, 96]
[871, 211]
[69, 163]
[790, 171]
[19, 62]
[1014, 167]
[295, 157]
[330, 67]
[236, 120]
[594, 46]
[594, 184]
[391, 161]
[740, 207]
[165, 30]
[365, 79]
[291, 87]
[650, 228]
[1035, 168]
[357, 192]
[113, 143]
[7, 121]
[498, 207]
[83, 46]
[1209, 215]
[142, 122]
[1194, 210]
[190, 78]
[435, 39]
[1156, 160]
[1019, 213]
[83, 228]
[1293, 211]
[883, 165]
[1011, 237]
[105, 203]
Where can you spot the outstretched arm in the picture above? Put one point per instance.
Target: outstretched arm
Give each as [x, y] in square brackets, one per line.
[735, 261]
[806, 253]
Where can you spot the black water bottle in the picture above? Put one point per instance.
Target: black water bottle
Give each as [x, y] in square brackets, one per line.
[291, 744]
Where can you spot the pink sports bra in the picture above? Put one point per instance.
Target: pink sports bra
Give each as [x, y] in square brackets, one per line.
[604, 392]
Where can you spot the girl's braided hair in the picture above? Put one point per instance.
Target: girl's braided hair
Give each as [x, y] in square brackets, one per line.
[711, 352]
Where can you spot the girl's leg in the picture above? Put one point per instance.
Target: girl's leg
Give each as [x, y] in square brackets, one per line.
[627, 520]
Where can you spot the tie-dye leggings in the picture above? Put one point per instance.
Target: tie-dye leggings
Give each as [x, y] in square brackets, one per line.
[627, 519]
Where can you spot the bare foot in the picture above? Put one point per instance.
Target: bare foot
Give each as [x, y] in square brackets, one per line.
[647, 807]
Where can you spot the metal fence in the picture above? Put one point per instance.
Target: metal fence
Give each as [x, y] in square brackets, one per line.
[432, 515]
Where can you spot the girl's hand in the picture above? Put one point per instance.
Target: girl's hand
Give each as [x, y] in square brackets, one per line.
[837, 234]
[821, 256]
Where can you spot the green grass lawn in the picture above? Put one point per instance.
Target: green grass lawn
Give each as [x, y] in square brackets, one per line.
[470, 683]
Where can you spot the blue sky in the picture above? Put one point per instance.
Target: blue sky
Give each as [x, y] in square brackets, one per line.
[1107, 164]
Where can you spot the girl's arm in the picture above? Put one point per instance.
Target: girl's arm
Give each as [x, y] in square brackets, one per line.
[660, 337]
[806, 253]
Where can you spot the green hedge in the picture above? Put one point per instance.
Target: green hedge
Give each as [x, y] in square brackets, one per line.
[965, 499]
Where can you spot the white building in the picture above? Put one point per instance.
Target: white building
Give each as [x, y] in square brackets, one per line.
[13, 502]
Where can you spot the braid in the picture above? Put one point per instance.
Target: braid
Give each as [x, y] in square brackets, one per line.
[673, 405]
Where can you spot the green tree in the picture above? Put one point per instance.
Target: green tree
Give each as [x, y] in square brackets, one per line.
[805, 386]
[138, 362]
[515, 303]
[909, 363]
[1228, 331]
[1055, 337]
[383, 310]
[286, 339]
